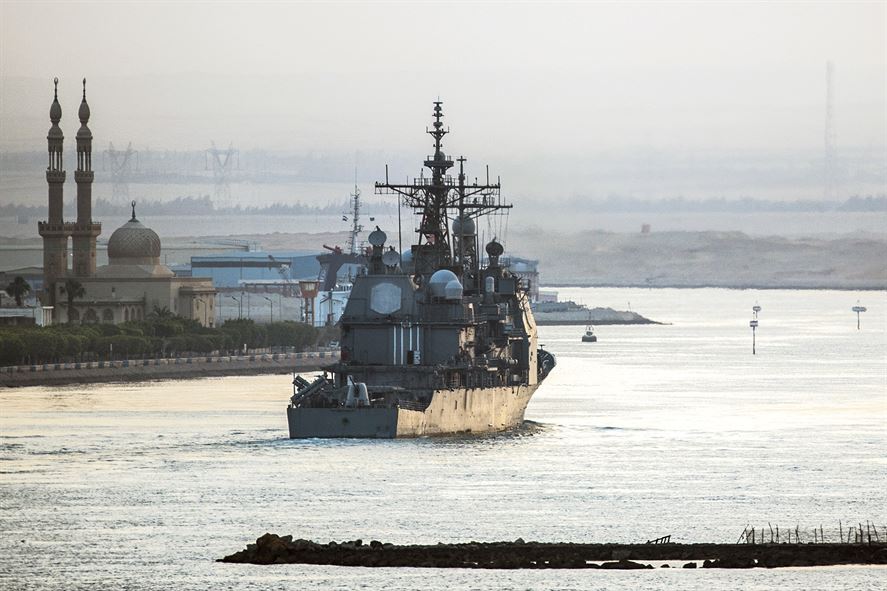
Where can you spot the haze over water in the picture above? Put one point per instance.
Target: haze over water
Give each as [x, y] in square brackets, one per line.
[654, 430]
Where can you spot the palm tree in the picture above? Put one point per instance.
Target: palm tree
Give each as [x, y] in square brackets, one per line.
[72, 289]
[18, 289]
[159, 313]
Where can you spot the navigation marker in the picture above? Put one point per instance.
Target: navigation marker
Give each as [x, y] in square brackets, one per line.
[858, 309]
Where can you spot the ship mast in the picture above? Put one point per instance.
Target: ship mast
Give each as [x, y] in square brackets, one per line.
[433, 199]
[356, 228]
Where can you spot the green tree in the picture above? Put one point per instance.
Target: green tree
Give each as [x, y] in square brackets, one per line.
[40, 346]
[11, 348]
[72, 289]
[160, 314]
[18, 289]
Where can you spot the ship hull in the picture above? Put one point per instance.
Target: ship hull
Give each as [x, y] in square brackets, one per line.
[460, 410]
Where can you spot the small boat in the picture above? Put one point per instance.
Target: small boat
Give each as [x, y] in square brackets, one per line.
[589, 336]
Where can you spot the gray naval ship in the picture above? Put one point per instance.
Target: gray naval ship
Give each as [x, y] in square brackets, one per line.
[433, 342]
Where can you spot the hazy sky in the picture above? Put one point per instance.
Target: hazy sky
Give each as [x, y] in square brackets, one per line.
[520, 81]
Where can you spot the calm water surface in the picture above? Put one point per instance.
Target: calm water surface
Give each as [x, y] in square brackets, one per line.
[653, 430]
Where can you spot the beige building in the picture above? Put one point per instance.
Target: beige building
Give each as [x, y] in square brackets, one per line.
[134, 282]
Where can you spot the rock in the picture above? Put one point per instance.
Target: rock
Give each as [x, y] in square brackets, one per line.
[690, 565]
[375, 544]
[519, 541]
[664, 566]
[269, 548]
[624, 565]
[731, 562]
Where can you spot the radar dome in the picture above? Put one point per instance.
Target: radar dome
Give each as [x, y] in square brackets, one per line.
[494, 249]
[453, 290]
[463, 226]
[439, 280]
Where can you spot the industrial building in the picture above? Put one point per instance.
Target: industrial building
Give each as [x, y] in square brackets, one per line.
[266, 286]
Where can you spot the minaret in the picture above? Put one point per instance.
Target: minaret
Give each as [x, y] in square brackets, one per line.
[85, 230]
[53, 231]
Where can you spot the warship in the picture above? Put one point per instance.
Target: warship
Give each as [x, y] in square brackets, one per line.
[435, 340]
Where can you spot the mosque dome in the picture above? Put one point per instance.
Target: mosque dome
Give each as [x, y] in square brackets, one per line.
[134, 243]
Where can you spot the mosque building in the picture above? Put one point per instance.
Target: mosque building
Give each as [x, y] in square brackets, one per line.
[134, 282]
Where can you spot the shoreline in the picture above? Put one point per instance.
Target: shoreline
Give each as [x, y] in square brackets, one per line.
[142, 370]
[882, 288]
[586, 322]
[274, 549]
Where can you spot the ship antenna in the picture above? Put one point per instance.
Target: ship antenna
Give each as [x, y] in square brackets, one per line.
[356, 228]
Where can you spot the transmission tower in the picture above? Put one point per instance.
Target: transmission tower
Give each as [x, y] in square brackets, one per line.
[831, 149]
[121, 170]
[223, 162]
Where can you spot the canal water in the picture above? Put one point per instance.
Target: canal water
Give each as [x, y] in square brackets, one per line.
[673, 429]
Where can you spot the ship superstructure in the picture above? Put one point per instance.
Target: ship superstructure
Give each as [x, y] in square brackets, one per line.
[432, 341]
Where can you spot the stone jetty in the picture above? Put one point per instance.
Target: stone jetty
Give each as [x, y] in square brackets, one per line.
[274, 549]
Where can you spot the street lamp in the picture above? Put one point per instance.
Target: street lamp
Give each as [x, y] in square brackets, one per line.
[270, 301]
[239, 307]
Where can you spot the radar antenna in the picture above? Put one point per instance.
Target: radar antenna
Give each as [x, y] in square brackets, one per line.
[434, 199]
[356, 227]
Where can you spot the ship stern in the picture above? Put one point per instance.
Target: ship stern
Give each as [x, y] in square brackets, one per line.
[373, 423]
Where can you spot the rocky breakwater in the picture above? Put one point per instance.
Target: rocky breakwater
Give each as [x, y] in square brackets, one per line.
[274, 549]
[570, 313]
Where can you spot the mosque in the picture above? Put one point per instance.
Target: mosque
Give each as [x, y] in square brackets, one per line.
[134, 282]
